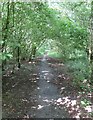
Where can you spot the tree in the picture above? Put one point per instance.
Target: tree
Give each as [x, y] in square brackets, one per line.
[91, 42]
[5, 28]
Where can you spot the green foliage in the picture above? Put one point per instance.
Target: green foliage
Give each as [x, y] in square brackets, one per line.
[80, 70]
[63, 33]
[43, 23]
[85, 102]
[5, 56]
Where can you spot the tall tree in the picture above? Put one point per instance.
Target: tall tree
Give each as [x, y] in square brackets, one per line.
[91, 43]
[5, 28]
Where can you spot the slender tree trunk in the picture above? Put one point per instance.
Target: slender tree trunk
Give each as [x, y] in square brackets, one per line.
[5, 34]
[13, 8]
[33, 52]
[91, 46]
[19, 38]
[18, 57]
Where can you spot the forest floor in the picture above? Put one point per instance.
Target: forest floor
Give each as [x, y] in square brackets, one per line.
[42, 88]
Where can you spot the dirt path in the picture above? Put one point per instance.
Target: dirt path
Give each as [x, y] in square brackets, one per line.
[39, 90]
[48, 93]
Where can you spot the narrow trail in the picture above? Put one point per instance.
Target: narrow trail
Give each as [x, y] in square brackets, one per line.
[40, 89]
[48, 93]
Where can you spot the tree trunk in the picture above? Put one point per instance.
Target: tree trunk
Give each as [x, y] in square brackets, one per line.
[18, 57]
[91, 46]
[33, 52]
[4, 35]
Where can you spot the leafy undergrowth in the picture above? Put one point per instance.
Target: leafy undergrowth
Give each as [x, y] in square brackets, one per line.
[77, 99]
[20, 90]
[81, 71]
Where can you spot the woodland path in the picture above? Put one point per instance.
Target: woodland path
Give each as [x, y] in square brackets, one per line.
[40, 89]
